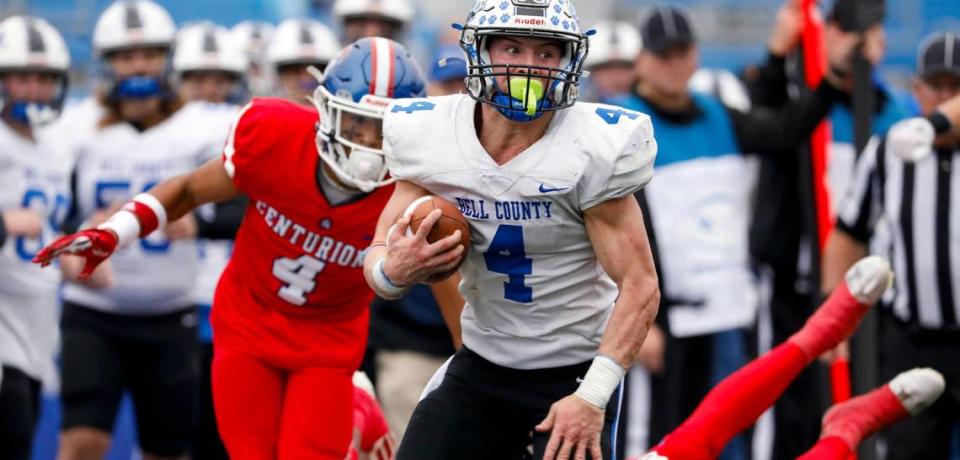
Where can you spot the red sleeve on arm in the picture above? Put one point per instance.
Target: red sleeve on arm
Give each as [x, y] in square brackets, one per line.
[256, 132]
[369, 419]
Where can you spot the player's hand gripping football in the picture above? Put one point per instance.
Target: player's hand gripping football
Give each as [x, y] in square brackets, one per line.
[574, 427]
[93, 245]
[412, 259]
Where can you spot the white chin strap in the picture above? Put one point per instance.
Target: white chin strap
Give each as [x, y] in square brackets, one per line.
[41, 115]
[362, 169]
[364, 166]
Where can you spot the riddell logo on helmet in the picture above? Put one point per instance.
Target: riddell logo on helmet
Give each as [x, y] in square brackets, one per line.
[370, 99]
[529, 21]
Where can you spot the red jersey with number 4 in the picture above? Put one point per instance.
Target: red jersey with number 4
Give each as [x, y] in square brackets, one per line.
[294, 291]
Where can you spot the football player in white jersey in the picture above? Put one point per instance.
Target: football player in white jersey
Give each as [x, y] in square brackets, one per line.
[34, 198]
[210, 67]
[297, 45]
[373, 18]
[252, 37]
[559, 281]
[138, 334]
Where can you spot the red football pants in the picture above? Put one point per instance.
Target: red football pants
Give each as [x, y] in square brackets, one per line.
[267, 413]
[829, 448]
[733, 405]
[736, 403]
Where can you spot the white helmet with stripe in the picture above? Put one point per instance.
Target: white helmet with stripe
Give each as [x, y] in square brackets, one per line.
[614, 42]
[31, 44]
[399, 11]
[302, 41]
[207, 46]
[133, 24]
[252, 37]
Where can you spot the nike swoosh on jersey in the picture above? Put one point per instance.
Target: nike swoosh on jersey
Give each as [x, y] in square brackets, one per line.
[545, 189]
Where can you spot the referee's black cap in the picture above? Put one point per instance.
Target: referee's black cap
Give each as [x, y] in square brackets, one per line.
[939, 54]
[666, 27]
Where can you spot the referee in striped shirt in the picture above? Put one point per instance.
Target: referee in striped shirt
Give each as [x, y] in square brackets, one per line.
[904, 203]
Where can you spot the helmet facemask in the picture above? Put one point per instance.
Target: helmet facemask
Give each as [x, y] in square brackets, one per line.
[525, 99]
[357, 162]
[138, 86]
[34, 114]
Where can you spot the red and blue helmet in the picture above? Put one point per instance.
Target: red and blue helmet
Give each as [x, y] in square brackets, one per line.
[359, 84]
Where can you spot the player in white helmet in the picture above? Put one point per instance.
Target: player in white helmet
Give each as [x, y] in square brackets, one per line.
[613, 50]
[252, 37]
[209, 66]
[134, 327]
[34, 198]
[559, 282]
[297, 45]
[724, 85]
[373, 18]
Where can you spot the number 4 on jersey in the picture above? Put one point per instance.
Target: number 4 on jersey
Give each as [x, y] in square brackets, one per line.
[299, 275]
[506, 255]
[416, 106]
[612, 116]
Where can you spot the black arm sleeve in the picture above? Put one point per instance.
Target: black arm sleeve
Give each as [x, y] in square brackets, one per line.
[226, 221]
[73, 220]
[772, 132]
[768, 86]
[3, 232]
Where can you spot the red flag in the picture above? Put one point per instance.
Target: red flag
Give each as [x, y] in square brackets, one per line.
[814, 69]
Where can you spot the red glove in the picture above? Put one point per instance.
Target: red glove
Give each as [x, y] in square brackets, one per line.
[93, 244]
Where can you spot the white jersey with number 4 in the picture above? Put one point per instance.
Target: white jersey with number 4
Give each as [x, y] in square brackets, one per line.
[34, 174]
[536, 294]
[115, 162]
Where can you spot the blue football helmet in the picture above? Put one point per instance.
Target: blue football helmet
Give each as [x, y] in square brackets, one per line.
[357, 86]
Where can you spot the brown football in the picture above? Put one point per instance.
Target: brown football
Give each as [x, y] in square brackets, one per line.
[451, 221]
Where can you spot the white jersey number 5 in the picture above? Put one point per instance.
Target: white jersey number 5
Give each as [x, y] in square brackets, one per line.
[299, 275]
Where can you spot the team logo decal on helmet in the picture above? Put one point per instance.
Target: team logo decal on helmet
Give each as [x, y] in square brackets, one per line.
[525, 99]
[360, 83]
[29, 44]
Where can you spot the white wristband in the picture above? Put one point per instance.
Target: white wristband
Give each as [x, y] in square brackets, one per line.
[125, 224]
[602, 379]
[384, 287]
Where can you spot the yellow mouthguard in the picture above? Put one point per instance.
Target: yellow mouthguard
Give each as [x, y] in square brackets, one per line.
[529, 90]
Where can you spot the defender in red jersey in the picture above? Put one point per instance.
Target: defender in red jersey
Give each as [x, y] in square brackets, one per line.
[290, 316]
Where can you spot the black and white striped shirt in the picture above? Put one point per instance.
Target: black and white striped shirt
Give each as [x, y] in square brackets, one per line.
[910, 213]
